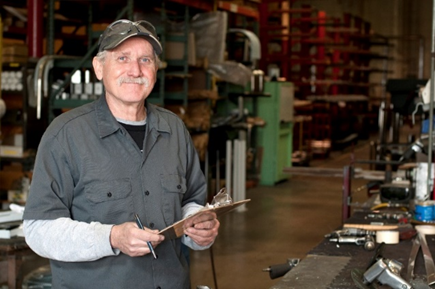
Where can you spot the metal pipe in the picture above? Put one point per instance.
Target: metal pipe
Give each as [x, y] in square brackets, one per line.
[235, 169]
[347, 176]
[242, 168]
[396, 126]
[218, 172]
[42, 67]
[228, 168]
[50, 27]
[35, 19]
[130, 9]
[373, 149]
[421, 58]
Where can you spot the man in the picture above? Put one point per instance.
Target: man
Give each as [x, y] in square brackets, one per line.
[100, 164]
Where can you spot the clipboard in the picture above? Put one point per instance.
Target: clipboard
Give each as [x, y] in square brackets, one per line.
[176, 230]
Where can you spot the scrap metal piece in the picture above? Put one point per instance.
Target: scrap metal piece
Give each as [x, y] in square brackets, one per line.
[412, 256]
[386, 272]
[221, 198]
[428, 260]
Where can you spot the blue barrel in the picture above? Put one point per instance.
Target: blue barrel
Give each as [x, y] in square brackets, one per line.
[424, 211]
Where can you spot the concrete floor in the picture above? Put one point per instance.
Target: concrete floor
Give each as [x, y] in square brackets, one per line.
[282, 221]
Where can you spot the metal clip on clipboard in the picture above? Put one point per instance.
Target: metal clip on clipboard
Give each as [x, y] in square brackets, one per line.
[222, 198]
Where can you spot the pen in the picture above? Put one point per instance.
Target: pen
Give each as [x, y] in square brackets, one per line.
[150, 246]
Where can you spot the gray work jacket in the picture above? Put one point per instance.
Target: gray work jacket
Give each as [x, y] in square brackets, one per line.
[88, 168]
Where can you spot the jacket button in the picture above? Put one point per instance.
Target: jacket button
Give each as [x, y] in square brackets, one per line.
[109, 194]
[179, 187]
[147, 193]
[151, 225]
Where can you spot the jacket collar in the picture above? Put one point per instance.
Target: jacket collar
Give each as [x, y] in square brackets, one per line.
[107, 123]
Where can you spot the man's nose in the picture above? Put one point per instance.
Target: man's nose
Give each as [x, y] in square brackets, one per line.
[134, 69]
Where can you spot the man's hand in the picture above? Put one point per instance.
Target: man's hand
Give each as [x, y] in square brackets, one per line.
[131, 240]
[203, 228]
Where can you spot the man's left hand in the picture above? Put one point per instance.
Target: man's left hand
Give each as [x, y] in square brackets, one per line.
[202, 229]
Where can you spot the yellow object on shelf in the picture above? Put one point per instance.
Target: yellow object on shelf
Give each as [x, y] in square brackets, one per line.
[11, 151]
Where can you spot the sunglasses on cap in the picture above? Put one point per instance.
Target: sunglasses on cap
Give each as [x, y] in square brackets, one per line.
[123, 29]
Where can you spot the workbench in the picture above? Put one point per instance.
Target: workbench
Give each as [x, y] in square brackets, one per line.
[12, 254]
[329, 265]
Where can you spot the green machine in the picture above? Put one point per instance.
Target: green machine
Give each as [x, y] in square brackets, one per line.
[276, 137]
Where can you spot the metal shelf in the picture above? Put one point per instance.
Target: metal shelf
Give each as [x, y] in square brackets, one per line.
[239, 9]
[223, 5]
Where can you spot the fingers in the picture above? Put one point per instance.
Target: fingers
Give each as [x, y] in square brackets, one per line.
[203, 233]
[152, 236]
[131, 240]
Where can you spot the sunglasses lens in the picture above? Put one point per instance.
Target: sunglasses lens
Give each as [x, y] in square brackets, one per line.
[148, 27]
[120, 27]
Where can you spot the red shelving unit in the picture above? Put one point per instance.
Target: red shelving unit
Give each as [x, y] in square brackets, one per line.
[329, 59]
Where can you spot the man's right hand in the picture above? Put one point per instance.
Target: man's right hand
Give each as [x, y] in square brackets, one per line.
[132, 241]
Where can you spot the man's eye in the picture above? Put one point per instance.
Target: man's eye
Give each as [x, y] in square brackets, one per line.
[146, 60]
[122, 58]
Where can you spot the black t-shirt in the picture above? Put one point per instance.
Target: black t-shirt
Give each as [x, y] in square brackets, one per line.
[137, 132]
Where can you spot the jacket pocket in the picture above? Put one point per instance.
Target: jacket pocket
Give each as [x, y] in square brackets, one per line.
[111, 201]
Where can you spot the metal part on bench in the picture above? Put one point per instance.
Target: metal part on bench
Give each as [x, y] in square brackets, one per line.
[428, 260]
[324, 268]
[412, 256]
[386, 272]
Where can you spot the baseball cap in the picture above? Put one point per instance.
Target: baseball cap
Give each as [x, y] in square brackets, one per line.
[123, 29]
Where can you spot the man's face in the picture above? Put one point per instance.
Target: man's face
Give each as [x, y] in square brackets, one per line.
[128, 72]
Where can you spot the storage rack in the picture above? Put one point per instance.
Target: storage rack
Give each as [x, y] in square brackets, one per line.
[82, 31]
[177, 70]
[330, 61]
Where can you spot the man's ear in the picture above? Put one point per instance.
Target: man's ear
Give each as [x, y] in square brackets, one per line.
[98, 68]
